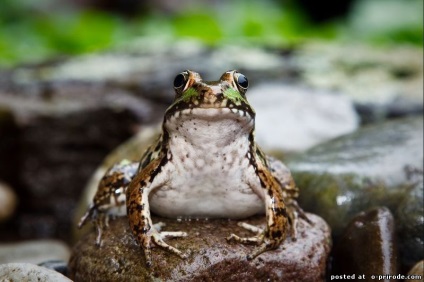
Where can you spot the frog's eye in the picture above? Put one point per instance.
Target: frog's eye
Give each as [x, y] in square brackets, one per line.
[180, 80]
[241, 81]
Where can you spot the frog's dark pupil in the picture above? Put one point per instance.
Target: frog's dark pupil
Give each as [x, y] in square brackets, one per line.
[242, 81]
[179, 81]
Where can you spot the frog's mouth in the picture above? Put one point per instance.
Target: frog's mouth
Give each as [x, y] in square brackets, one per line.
[210, 121]
[212, 113]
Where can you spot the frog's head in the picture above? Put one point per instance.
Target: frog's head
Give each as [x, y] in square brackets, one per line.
[228, 93]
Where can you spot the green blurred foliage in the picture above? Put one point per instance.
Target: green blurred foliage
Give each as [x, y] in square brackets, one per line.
[32, 31]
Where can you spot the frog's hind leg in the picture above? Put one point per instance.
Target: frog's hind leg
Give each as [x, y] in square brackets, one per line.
[290, 193]
[109, 199]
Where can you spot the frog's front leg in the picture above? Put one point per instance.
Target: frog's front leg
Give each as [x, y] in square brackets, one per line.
[109, 199]
[138, 211]
[278, 220]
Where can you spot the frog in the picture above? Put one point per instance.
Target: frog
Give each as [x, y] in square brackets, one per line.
[204, 164]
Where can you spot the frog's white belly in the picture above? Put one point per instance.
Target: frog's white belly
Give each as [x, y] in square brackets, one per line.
[206, 193]
[209, 172]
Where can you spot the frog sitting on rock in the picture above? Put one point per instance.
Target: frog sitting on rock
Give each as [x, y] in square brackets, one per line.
[205, 164]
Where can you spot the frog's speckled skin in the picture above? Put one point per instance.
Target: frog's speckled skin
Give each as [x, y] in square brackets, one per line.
[205, 164]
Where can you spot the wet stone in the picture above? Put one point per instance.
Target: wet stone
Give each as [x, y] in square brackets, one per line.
[368, 168]
[211, 257]
[367, 246]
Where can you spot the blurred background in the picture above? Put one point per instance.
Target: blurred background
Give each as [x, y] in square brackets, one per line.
[337, 87]
[33, 32]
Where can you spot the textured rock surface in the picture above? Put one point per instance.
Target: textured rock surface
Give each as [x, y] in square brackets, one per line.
[367, 246]
[34, 251]
[211, 257]
[29, 273]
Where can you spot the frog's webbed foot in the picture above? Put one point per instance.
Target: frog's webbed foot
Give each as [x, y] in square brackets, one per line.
[265, 244]
[109, 200]
[155, 237]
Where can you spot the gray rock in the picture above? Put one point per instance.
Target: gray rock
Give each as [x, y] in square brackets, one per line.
[211, 257]
[293, 118]
[8, 202]
[367, 246]
[34, 251]
[27, 272]
[365, 169]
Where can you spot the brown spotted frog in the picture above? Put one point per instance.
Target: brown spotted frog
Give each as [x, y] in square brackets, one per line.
[205, 164]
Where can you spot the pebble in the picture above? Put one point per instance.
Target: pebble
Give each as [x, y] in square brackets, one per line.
[8, 202]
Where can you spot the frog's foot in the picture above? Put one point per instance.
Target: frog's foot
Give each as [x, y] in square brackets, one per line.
[264, 243]
[99, 219]
[154, 237]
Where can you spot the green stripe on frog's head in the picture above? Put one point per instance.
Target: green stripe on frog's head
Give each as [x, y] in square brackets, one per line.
[189, 94]
[234, 95]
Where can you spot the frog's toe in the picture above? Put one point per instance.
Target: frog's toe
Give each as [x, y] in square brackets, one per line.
[250, 227]
[248, 240]
[259, 250]
[245, 240]
[174, 234]
[158, 240]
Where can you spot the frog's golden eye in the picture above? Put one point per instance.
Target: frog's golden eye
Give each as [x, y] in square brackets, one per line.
[180, 80]
[241, 81]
